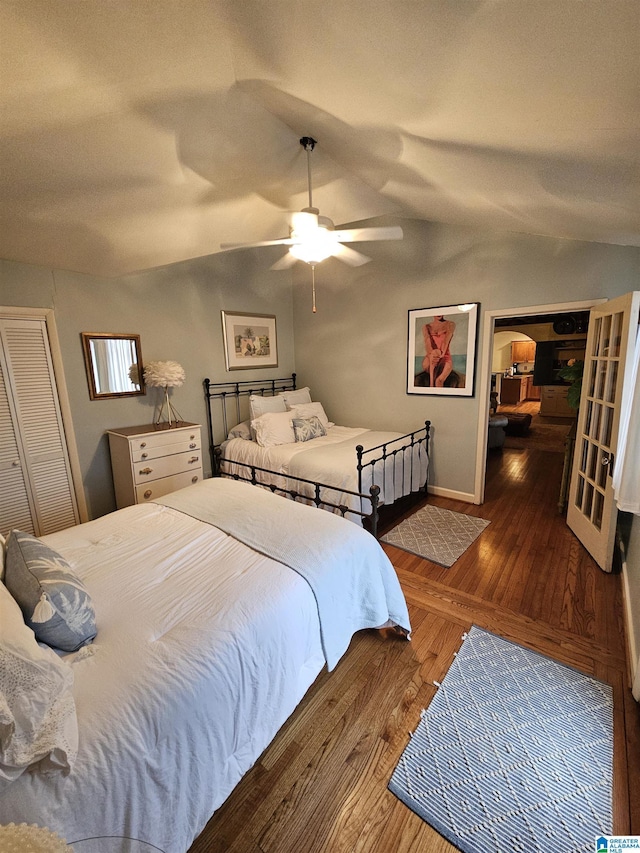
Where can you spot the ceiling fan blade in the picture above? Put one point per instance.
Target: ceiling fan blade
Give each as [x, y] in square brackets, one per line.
[350, 256]
[285, 262]
[285, 241]
[353, 235]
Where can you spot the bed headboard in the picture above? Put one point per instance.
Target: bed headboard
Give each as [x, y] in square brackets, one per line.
[227, 411]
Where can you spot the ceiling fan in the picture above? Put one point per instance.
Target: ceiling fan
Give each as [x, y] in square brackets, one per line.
[313, 238]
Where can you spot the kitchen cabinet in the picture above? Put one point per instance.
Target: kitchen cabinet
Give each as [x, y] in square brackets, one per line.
[553, 402]
[512, 390]
[533, 391]
[523, 351]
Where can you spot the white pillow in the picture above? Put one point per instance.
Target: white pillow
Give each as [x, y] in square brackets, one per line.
[308, 410]
[274, 428]
[38, 723]
[241, 430]
[261, 405]
[293, 398]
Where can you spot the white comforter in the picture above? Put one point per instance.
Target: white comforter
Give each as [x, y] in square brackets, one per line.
[332, 459]
[204, 648]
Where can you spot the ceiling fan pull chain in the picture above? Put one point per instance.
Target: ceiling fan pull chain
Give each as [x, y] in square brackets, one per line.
[313, 288]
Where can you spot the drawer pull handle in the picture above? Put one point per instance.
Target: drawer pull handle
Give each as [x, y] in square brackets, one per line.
[143, 444]
[15, 463]
[194, 479]
[148, 494]
[192, 437]
[193, 459]
[192, 446]
[146, 470]
[144, 455]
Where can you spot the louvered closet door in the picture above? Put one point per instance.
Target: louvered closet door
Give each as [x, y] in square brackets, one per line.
[15, 508]
[38, 424]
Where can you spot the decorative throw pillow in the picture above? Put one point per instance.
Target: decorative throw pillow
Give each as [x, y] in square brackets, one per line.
[53, 600]
[293, 398]
[273, 428]
[308, 410]
[307, 428]
[241, 430]
[259, 405]
[38, 723]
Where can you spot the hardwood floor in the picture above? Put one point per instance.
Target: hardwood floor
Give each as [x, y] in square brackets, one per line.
[322, 784]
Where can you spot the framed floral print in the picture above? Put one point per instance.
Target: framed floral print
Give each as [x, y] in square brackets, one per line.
[249, 340]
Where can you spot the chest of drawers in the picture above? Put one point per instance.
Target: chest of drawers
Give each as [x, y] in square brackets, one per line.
[149, 461]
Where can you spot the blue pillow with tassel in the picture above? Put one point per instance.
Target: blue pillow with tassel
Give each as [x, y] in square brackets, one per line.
[54, 601]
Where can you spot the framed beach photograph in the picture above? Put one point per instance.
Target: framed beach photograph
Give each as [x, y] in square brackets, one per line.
[441, 350]
[249, 340]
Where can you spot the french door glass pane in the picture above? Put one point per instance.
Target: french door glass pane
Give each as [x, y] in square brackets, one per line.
[616, 335]
[607, 423]
[598, 505]
[595, 425]
[593, 462]
[597, 334]
[605, 338]
[588, 500]
[602, 469]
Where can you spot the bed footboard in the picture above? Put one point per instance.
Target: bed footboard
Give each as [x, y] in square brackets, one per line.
[397, 466]
[311, 492]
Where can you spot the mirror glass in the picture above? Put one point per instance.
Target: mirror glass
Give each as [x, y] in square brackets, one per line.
[114, 365]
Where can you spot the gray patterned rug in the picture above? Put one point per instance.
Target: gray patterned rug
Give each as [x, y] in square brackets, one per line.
[439, 535]
[514, 753]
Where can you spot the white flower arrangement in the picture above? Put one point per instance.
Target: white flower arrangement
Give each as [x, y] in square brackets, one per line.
[163, 374]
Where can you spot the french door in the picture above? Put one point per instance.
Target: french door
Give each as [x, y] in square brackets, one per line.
[591, 510]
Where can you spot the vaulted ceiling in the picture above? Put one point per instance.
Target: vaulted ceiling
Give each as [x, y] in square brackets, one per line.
[138, 133]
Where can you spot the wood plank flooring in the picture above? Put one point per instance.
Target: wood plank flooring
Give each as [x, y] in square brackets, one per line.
[321, 787]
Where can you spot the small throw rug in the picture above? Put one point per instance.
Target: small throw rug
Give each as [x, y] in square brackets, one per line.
[514, 753]
[439, 535]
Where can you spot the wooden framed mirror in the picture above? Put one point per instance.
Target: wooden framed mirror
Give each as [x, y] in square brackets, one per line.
[114, 365]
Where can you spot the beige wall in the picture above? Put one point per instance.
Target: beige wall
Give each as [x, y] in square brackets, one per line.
[176, 311]
[353, 352]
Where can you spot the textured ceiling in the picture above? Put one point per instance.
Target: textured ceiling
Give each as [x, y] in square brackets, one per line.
[137, 133]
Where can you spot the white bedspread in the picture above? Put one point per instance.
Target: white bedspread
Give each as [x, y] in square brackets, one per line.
[353, 582]
[332, 459]
[204, 648]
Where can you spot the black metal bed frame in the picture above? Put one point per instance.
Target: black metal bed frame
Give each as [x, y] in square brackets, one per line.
[235, 391]
[225, 391]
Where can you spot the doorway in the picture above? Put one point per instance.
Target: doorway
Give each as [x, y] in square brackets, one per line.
[496, 319]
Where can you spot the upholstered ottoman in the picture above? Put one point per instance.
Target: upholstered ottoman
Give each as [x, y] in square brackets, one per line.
[518, 423]
[497, 425]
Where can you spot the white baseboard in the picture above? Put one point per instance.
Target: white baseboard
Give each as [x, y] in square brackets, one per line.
[450, 493]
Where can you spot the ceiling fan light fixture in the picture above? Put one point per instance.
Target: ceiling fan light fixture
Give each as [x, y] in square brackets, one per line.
[314, 247]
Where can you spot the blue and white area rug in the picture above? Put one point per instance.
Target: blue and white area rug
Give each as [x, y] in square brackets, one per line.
[514, 753]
